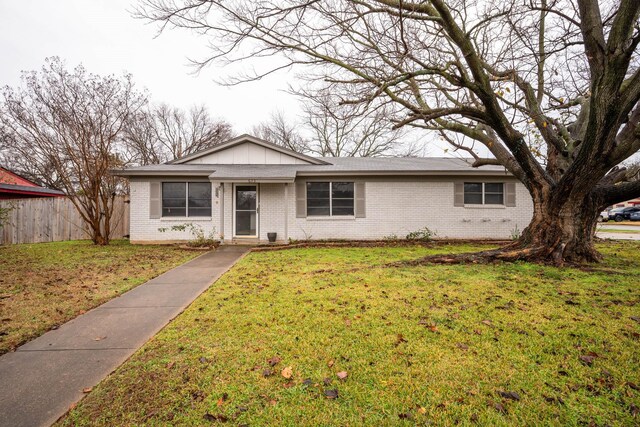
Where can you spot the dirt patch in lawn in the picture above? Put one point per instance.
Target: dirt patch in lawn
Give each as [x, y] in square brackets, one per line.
[44, 285]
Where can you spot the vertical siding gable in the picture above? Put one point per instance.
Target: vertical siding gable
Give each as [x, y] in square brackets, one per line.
[248, 153]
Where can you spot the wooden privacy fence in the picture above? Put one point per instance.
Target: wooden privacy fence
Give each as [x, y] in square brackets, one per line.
[54, 219]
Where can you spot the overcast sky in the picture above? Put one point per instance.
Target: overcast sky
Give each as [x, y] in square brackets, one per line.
[102, 35]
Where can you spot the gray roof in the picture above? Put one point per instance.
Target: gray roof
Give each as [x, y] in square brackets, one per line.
[341, 166]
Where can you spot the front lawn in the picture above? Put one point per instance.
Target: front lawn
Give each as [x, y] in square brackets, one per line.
[43, 285]
[506, 344]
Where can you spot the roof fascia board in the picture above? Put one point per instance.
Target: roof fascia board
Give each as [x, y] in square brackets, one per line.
[125, 173]
[403, 173]
[255, 180]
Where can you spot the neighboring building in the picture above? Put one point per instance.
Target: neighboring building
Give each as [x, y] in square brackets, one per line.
[628, 203]
[247, 187]
[13, 186]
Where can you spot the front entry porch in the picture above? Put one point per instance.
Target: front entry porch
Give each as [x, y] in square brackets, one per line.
[248, 211]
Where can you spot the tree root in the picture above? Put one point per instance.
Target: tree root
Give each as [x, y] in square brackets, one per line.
[509, 253]
[483, 257]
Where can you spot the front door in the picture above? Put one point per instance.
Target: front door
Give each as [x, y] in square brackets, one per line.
[246, 210]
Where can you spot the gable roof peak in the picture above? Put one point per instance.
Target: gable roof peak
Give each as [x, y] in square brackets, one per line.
[244, 138]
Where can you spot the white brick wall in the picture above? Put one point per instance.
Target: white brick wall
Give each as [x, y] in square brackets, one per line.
[402, 206]
[144, 229]
[272, 210]
[393, 207]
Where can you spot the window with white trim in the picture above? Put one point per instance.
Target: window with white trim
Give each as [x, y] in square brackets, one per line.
[186, 199]
[484, 193]
[330, 198]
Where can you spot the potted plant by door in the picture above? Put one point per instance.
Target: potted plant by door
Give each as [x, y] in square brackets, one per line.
[272, 237]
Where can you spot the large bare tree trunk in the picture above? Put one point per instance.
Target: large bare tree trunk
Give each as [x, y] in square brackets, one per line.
[559, 232]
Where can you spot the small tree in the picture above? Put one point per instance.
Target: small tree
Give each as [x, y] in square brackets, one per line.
[71, 124]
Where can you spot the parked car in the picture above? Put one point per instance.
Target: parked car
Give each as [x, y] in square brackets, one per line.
[603, 217]
[620, 214]
[635, 216]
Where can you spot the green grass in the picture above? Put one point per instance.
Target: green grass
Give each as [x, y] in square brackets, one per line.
[430, 345]
[618, 230]
[46, 284]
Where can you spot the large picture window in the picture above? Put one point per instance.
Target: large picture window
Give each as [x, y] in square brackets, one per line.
[186, 199]
[484, 193]
[330, 198]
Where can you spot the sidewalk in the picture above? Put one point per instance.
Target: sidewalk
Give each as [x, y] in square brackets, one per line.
[618, 236]
[42, 378]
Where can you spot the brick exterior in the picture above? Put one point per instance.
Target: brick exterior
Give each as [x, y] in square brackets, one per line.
[146, 230]
[393, 207]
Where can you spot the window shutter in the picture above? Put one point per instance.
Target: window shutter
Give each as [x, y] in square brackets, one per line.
[360, 202]
[155, 200]
[458, 194]
[301, 199]
[510, 194]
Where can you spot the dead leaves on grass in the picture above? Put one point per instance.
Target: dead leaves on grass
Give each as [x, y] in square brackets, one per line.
[588, 359]
[512, 395]
[331, 394]
[287, 372]
[215, 418]
[400, 339]
[274, 361]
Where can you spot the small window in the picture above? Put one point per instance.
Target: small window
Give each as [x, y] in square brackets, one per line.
[330, 198]
[484, 193]
[174, 199]
[472, 193]
[184, 199]
[199, 199]
[318, 198]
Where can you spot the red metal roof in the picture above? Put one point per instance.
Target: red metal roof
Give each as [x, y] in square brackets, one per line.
[14, 186]
[8, 177]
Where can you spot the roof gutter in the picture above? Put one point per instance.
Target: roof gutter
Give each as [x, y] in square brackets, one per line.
[403, 173]
[127, 173]
[253, 180]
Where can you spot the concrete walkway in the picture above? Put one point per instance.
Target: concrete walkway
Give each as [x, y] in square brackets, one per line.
[43, 378]
[618, 236]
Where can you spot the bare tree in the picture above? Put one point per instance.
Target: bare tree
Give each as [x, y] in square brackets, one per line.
[283, 132]
[549, 87]
[163, 133]
[69, 124]
[347, 131]
[336, 130]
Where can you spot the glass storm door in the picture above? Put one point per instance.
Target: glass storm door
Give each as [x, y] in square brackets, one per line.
[246, 214]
